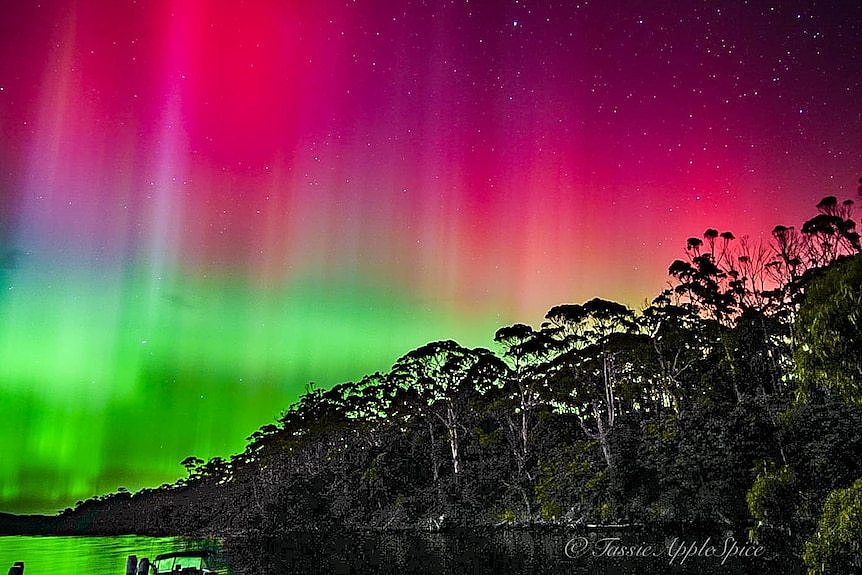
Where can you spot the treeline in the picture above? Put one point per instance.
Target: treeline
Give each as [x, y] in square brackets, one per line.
[734, 398]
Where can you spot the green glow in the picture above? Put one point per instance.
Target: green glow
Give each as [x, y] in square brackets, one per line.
[112, 383]
[75, 555]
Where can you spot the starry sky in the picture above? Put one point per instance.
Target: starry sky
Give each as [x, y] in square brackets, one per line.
[206, 204]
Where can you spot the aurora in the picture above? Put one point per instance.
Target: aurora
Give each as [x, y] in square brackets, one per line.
[204, 208]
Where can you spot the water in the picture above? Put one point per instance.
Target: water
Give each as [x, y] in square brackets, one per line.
[82, 555]
[492, 552]
[518, 551]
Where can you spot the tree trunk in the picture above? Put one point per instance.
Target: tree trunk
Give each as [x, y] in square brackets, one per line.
[602, 436]
[610, 396]
[452, 425]
[435, 473]
[524, 428]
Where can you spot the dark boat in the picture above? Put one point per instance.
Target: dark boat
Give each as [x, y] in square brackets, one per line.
[178, 562]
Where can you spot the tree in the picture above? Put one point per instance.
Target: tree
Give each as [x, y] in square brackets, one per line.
[684, 344]
[524, 391]
[836, 546]
[829, 328]
[831, 233]
[445, 376]
[191, 464]
[524, 351]
[591, 338]
[708, 281]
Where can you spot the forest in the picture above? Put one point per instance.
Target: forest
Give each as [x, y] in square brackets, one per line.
[733, 399]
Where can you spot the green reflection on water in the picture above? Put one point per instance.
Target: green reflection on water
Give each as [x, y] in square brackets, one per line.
[83, 555]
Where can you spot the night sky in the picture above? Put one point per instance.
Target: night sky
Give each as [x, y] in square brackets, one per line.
[205, 205]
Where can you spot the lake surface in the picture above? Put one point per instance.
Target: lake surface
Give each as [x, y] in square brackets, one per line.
[515, 551]
[82, 555]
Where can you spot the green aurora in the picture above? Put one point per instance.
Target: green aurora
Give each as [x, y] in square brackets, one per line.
[112, 384]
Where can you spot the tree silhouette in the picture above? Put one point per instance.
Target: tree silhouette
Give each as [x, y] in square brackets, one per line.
[191, 464]
[586, 369]
[832, 232]
[524, 351]
[445, 375]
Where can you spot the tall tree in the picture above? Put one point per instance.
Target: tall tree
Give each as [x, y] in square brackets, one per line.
[708, 281]
[446, 376]
[590, 338]
[829, 357]
[524, 351]
[683, 343]
[831, 233]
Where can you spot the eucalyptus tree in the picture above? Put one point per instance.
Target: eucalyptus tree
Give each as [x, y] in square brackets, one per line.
[824, 238]
[831, 233]
[446, 377]
[708, 280]
[594, 369]
[525, 351]
[368, 403]
[522, 396]
[684, 345]
[829, 358]
[191, 464]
